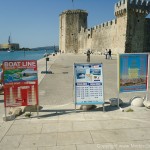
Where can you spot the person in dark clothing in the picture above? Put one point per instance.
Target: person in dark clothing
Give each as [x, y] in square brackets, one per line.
[109, 52]
[88, 55]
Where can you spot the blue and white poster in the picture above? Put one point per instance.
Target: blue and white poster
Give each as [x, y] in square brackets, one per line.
[133, 72]
[88, 84]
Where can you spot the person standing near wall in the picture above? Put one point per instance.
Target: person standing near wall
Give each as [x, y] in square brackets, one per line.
[88, 55]
[106, 53]
[109, 52]
[1, 78]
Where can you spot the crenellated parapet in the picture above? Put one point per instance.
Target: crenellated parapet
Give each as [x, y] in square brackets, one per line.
[121, 8]
[78, 11]
[108, 23]
[98, 28]
[139, 6]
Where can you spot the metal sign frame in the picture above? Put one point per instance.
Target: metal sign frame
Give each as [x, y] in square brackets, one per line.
[133, 73]
[88, 84]
[20, 83]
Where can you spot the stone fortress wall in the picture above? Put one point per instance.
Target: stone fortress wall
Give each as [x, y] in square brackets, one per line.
[128, 32]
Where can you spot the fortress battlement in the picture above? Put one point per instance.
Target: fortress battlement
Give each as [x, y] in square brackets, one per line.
[106, 24]
[141, 6]
[74, 11]
[139, 3]
[121, 7]
[98, 27]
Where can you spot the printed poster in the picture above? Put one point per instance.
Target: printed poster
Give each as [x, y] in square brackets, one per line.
[133, 72]
[88, 84]
[20, 83]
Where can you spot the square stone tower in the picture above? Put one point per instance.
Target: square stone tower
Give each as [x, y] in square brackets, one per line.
[71, 22]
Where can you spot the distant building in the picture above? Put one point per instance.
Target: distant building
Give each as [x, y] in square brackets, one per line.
[11, 45]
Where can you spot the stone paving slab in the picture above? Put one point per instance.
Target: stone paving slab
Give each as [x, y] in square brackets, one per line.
[21, 129]
[57, 127]
[70, 147]
[104, 146]
[133, 145]
[121, 135]
[68, 138]
[11, 142]
[38, 140]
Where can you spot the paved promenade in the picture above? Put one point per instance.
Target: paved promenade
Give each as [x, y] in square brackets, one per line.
[59, 127]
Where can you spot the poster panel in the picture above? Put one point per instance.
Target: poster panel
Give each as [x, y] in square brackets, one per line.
[88, 84]
[20, 83]
[133, 73]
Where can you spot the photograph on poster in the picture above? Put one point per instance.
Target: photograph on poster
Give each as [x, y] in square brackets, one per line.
[81, 73]
[133, 72]
[95, 71]
[18, 75]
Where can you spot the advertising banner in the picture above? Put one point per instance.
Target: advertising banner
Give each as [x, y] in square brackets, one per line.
[20, 83]
[88, 84]
[133, 72]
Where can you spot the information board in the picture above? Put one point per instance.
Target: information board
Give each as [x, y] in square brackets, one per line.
[133, 72]
[20, 83]
[88, 84]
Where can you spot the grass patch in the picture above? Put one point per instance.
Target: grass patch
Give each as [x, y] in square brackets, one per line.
[28, 115]
[129, 110]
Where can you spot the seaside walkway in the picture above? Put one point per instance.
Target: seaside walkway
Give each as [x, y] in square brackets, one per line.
[59, 127]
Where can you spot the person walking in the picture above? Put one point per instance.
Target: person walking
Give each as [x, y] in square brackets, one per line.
[1, 79]
[88, 55]
[109, 52]
[106, 53]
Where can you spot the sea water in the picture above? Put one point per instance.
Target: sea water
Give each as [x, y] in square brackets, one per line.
[23, 55]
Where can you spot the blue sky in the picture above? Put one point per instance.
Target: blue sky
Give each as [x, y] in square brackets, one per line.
[35, 23]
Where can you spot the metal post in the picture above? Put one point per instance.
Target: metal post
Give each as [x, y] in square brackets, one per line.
[104, 107]
[118, 100]
[46, 64]
[38, 111]
[5, 114]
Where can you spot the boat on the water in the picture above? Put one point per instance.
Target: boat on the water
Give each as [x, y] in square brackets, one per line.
[10, 50]
[46, 54]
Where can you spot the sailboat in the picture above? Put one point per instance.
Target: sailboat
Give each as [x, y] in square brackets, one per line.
[9, 43]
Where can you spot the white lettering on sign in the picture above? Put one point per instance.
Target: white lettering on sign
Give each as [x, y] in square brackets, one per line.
[20, 64]
[28, 64]
[12, 64]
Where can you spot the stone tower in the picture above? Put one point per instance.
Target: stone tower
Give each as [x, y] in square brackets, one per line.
[131, 24]
[121, 25]
[71, 22]
[136, 26]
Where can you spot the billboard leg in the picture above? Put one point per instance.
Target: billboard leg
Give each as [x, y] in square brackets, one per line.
[118, 104]
[38, 111]
[103, 107]
[5, 114]
[75, 108]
